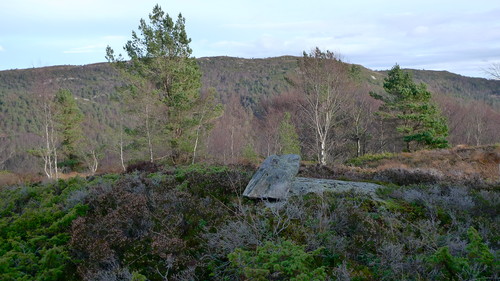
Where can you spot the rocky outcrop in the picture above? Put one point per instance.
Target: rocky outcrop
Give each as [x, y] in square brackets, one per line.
[301, 186]
[275, 179]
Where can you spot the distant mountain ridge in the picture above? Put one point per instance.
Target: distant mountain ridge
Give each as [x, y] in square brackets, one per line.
[248, 77]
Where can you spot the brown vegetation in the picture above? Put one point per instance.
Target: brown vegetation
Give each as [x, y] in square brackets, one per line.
[477, 167]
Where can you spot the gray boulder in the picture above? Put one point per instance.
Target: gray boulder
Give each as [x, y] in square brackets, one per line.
[274, 177]
[301, 186]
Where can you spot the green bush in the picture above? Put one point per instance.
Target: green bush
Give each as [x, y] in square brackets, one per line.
[281, 261]
[478, 264]
[34, 231]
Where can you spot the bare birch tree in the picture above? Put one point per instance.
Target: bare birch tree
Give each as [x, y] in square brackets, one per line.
[324, 81]
[48, 149]
[494, 71]
[207, 110]
[49, 154]
[361, 117]
[6, 150]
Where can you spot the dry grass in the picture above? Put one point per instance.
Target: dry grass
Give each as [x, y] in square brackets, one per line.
[8, 178]
[472, 166]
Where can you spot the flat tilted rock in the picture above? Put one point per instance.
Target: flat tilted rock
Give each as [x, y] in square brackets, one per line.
[273, 178]
[301, 186]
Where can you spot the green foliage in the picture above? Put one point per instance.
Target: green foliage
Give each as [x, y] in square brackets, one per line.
[249, 154]
[138, 277]
[282, 261]
[451, 266]
[478, 251]
[34, 231]
[288, 137]
[163, 72]
[418, 119]
[479, 264]
[69, 118]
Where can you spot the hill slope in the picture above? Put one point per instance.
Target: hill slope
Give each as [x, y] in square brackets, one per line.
[250, 80]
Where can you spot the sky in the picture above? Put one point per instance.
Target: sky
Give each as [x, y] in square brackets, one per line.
[461, 36]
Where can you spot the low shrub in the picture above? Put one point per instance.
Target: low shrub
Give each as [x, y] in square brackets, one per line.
[143, 166]
[278, 261]
[366, 159]
[191, 223]
[401, 176]
[34, 231]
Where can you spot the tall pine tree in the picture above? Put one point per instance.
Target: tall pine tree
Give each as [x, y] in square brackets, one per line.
[167, 80]
[418, 119]
[69, 119]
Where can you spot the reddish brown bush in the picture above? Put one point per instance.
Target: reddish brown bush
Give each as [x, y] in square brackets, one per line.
[143, 166]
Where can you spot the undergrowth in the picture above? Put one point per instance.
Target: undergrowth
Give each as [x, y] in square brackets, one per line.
[191, 223]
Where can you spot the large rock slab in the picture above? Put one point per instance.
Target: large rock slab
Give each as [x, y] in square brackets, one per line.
[274, 177]
[301, 186]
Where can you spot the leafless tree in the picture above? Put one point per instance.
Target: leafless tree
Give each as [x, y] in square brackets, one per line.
[206, 111]
[6, 152]
[48, 150]
[323, 79]
[230, 132]
[361, 120]
[494, 71]
[49, 154]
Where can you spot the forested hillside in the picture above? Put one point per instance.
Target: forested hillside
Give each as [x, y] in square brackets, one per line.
[255, 93]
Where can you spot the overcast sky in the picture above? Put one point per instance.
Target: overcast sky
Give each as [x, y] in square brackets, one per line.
[460, 36]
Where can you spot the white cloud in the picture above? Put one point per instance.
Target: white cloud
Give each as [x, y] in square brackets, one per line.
[2, 48]
[420, 30]
[94, 45]
[86, 49]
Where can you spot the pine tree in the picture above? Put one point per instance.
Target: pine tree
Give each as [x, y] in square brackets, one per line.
[288, 137]
[418, 119]
[68, 118]
[166, 78]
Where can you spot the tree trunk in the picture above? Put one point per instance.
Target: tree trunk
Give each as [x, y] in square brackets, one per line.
[148, 134]
[47, 157]
[121, 146]
[195, 144]
[323, 153]
[358, 147]
[53, 149]
[232, 143]
[96, 162]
